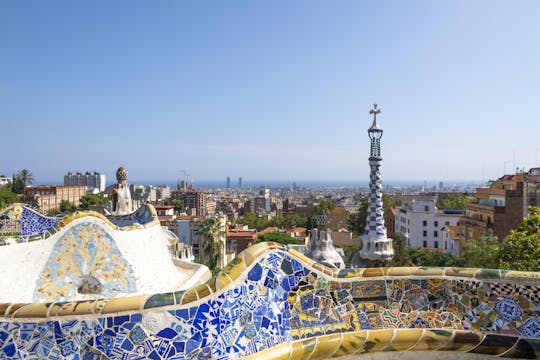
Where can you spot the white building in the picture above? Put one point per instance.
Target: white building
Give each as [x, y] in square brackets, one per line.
[423, 226]
[4, 180]
[94, 182]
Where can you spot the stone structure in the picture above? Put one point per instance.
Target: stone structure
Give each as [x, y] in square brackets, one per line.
[122, 204]
[376, 247]
[322, 247]
[274, 303]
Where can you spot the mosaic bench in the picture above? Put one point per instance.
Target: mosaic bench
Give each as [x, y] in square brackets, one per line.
[274, 303]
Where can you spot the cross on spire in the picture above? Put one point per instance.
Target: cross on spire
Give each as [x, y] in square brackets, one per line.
[375, 111]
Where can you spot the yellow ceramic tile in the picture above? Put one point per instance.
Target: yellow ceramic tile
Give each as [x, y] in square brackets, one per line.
[373, 272]
[463, 340]
[203, 291]
[278, 352]
[461, 272]
[189, 296]
[351, 343]
[132, 303]
[401, 271]
[404, 339]
[433, 340]
[37, 310]
[377, 340]
[302, 350]
[326, 346]
[431, 271]
[76, 308]
[222, 280]
[3, 308]
[12, 308]
[99, 305]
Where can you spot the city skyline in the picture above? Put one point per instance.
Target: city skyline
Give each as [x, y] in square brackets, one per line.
[269, 91]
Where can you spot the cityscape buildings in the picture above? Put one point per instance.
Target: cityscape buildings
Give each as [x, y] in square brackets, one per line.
[94, 182]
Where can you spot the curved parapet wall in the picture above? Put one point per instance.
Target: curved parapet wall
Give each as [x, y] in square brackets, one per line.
[88, 257]
[20, 219]
[277, 304]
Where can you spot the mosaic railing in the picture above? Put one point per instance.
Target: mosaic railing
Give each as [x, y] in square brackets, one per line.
[22, 220]
[270, 303]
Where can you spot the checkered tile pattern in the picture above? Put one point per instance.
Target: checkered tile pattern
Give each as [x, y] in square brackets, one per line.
[375, 217]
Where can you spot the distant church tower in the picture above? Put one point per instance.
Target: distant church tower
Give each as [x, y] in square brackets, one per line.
[376, 247]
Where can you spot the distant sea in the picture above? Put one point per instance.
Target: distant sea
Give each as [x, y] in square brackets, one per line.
[215, 184]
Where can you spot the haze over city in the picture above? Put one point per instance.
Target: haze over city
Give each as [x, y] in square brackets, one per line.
[275, 91]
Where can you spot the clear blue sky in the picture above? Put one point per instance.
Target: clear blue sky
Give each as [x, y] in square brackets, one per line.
[276, 90]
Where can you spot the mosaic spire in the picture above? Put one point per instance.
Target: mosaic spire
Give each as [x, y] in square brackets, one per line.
[376, 246]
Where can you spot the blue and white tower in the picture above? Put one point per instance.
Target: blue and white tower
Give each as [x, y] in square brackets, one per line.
[376, 247]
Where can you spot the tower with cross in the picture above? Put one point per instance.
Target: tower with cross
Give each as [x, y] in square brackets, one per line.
[376, 247]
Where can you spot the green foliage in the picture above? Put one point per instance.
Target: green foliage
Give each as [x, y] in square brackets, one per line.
[390, 202]
[421, 257]
[278, 237]
[67, 207]
[288, 221]
[252, 221]
[325, 206]
[25, 176]
[7, 197]
[357, 221]
[520, 250]
[92, 200]
[402, 255]
[212, 231]
[17, 186]
[454, 201]
[482, 253]
[178, 204]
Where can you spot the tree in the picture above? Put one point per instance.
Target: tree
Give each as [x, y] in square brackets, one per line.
[67, 207]
[520, 250]
[278, 237]
[212, 231]
[482, 253]
[7, 197]
[254, 222]
[357, 221]
[454, 201]
[401, 253]
[92, 200]
[324, 206]
[390, 202]
[25, 176]
[17, 185]
[178, 204]
[421, 257]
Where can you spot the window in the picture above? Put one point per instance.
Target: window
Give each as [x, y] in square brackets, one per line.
[470, 234]
[447, 223]
[426, 208]
[445, 245]
[424, 233]
[435, 233]
[435, 223]
[424, 244]
[436, 245]
[424, 223]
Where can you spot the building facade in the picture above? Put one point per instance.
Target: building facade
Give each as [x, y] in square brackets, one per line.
[49, 197]
[194, 200]
[94, 182]
[423, 225]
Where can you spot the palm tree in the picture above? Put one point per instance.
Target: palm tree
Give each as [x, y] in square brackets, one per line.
[212, 231]
[25, 176]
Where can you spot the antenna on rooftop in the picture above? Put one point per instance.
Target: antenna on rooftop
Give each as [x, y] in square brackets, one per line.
[514, 159]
